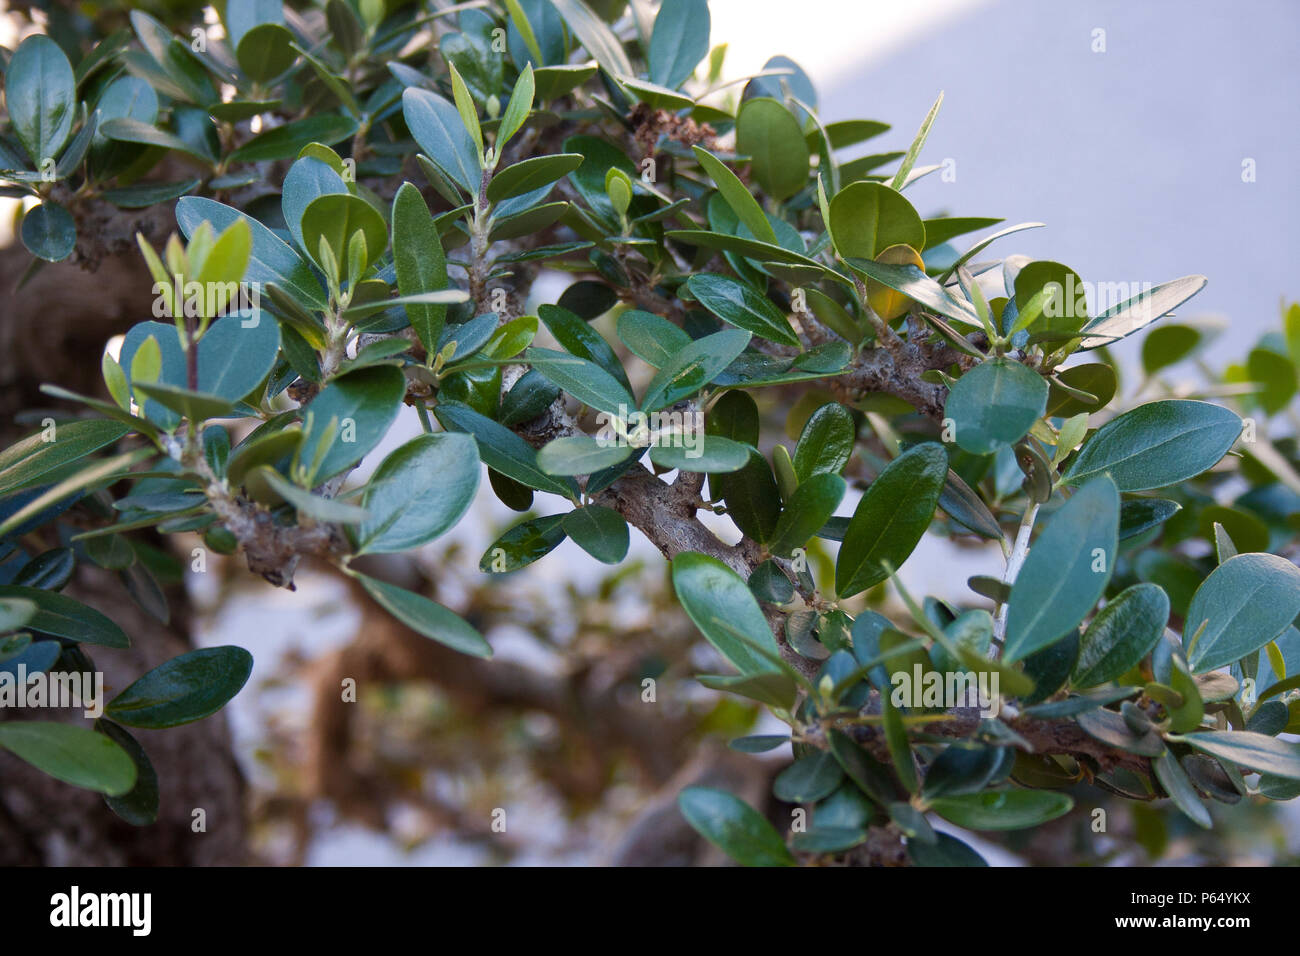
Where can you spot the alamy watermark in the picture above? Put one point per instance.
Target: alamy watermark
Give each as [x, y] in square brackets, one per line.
[19, 689]
[931, 689]
[208, 300]
[1071, 299]
[670, 428]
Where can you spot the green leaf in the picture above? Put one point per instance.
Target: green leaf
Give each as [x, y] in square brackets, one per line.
[737, 196]
[362, 404]
[523, 544]
[1168, 345]
[503, 450]
[583, 379]
[437, 128]
[651, 338]
[1143, 514]
[733, 827]
[599, 531]
[420, 263]
[693, 366]
[916, 285]
[127, 130]
[272, 261]
[994, 405]
[1096, 379]
[1049, 297]
[49, 232]
[425, 617]
[743, 306]
[335, 217]
[531, 175]
[1121, 634]
[1179, 787]
[770, 135]
[1157, 444]
[808, 779]
[680, 40]
[61, 616]
[709, 454]
[518, 108]
[1140, 311]
[809, 508]
[758, 743]
[1248, 749]
[724, 609]
[1066, 572]
[317, 506]
[196, 406]
[826, 442]
[41, 94]
[265, 52]
[891, 518]
[1274, 373]
[24, 463]
[595, 35]
[1246, 602]
[287, 141]
[945, 851]
[580, 455]
[1003, 809]
[71, 754]
[867, 218]
[139, 805]
[913, 151]
[418, 492]
[460, 92]
[103, 471]
[184, 689]
[578, 338]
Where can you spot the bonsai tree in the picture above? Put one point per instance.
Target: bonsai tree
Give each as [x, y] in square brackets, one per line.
[344, 207]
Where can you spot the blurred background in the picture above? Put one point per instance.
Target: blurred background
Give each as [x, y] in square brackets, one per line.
[1153, 139]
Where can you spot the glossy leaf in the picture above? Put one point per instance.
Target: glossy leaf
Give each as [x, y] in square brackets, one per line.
[733, 827]
[184, 689]
[418, 492]
[741, 305]
[1121, 634]
[723, 608]
[1157, 444]
[891, 518]
[994, 405]
[1066, 571]
[1246, 602]
[69, 753]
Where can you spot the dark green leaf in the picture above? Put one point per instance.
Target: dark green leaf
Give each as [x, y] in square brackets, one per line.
[1121, 634]
[891, 518]
[741, 305]
[599, 531]
[61, 616]
[1003, 809]
[184, 689]
[723, 608]
[733, 826]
